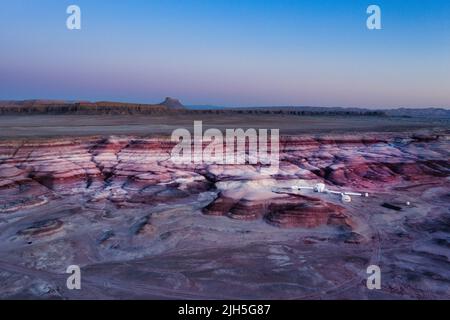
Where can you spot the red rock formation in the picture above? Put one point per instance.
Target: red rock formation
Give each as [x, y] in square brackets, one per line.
[305, 212]
[138, 170]
[121, 209]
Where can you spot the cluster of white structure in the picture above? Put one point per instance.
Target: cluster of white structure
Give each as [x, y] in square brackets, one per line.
[321, 188]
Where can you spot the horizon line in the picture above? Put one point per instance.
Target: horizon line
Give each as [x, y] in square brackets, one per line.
[191, 105]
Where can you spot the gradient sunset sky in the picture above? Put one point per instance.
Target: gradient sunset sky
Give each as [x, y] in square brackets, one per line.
[228, 52]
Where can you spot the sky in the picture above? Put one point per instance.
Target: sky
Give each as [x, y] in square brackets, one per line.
[228, 52]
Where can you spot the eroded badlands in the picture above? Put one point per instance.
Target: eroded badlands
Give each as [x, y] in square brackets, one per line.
[142, 227]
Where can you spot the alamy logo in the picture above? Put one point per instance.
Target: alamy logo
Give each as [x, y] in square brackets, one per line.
[237, 147]
[374, 278]
[374, 20]
[73, 22]
[74, 280]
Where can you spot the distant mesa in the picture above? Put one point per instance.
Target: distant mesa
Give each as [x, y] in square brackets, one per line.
[87, 107]
[172, 103]
[174, 106]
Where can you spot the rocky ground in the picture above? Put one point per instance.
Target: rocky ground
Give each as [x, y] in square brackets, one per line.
[140, 226]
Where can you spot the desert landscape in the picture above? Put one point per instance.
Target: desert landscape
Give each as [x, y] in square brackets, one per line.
[100, 191]
[218, 158]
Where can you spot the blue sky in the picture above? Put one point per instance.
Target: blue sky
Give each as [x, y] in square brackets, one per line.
[228, 52]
